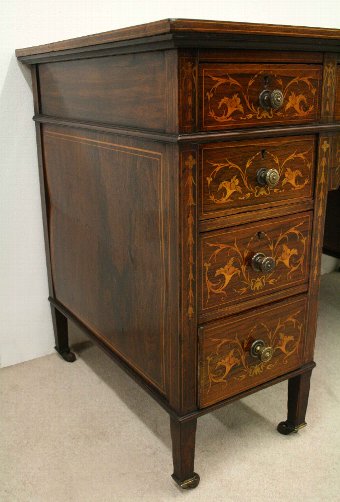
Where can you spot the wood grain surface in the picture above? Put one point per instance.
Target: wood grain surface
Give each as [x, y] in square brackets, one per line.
[226, 365]
[226, 273]
[114, 90]
[110, 258]
[228, 174]
[230, 94]
[337, 94]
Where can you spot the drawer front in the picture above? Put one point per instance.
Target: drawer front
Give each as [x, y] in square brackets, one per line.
[227, 273]
[227, 365]
[230, 94]
[230, 173]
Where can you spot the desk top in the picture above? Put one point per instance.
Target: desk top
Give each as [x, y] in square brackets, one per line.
[186, 31]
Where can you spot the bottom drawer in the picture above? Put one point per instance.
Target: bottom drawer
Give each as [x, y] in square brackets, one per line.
[249, 349]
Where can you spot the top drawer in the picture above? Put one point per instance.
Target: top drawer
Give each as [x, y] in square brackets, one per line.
[249, 95]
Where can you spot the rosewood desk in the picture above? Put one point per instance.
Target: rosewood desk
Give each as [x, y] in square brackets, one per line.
[184, 169]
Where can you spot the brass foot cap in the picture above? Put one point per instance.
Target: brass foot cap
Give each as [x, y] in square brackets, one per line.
[187, 484]
[68, 356]
[286, 427]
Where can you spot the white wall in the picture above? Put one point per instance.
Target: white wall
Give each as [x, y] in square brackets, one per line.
[25, 325]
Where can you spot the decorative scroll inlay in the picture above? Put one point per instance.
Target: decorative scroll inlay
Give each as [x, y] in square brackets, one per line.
[328, 90]
[243, 186]
[231, 360]
[190, 163]
[299, 97]
[188, 82]
[324, 151]
[236, 275]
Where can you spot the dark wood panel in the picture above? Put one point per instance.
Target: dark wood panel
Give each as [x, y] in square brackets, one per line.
[109, 211]
[331, 240]
[105, 347]
[228, 174]
[230, 94]
[130, 90]
[337, 94]
[226, 272]
[226, 364]
[188, 80]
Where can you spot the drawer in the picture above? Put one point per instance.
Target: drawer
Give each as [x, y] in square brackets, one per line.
[246, 350]
[230, 94]
[243, 174]
[248, 261]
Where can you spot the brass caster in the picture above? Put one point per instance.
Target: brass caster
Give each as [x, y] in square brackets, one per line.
[187, 484]
[286, 427]
[68, 356]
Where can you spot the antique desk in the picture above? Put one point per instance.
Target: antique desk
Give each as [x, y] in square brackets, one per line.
[184, 169]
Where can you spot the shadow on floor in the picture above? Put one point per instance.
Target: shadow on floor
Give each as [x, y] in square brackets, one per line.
[232, 419]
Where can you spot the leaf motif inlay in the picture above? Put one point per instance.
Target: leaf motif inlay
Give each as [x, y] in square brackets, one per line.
[241, 186]
[237, 264]
[299, 95]
[190, 182]
[233, 354]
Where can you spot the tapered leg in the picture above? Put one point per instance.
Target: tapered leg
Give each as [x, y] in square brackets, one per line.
[298, 392]
[60, 328]
[183, 453]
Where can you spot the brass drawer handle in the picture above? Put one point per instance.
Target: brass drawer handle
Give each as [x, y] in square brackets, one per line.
[267, 177]
[271, 99]
[262, 263]
[261, 352]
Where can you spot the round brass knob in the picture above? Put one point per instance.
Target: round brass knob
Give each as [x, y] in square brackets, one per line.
[262, 263]
[269, 177]
[261, 352]
[271, 99]
[276, 99]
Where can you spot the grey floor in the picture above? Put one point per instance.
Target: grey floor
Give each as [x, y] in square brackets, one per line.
[85, 432]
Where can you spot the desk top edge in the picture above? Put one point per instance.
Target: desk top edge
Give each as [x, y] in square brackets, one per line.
[185, 27]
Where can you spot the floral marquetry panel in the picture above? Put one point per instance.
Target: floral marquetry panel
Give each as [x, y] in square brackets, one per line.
[228, 274]
[228, 173]
[230, 94]
[226, 364]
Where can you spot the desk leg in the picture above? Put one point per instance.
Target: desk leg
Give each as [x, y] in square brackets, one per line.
[183, 453]
[60, 327]
[298, 392]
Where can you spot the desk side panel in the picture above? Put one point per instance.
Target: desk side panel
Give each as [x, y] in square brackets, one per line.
[130, 90]
[112, 244]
